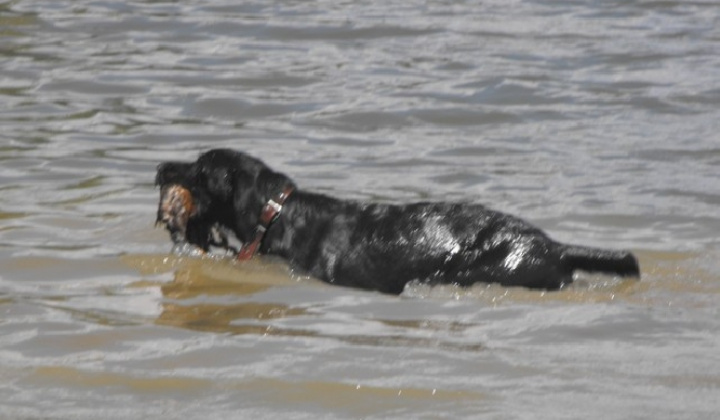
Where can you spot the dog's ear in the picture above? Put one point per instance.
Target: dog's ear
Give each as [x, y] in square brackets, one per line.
[251, 194]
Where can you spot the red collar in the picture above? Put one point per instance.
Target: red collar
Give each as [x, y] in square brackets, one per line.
[270, 212]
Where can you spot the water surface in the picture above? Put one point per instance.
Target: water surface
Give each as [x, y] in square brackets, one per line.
[595, 120]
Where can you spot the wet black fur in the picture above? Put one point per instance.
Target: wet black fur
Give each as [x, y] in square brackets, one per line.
[378, 246]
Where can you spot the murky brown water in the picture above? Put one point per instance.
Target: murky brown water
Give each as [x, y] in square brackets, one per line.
[597, 120]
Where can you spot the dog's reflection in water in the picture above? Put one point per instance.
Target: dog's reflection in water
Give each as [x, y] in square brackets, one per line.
[206, 296]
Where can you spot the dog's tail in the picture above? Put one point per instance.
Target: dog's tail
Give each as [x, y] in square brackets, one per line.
[622, 263]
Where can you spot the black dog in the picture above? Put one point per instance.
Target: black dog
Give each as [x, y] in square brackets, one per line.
[370, 246]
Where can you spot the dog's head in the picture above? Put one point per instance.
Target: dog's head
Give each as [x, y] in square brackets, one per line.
[224, 190]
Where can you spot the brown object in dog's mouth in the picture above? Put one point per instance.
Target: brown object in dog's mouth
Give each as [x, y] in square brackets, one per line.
[175, 209]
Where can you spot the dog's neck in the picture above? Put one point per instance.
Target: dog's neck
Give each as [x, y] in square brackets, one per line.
[304, 214]
[270, 212]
